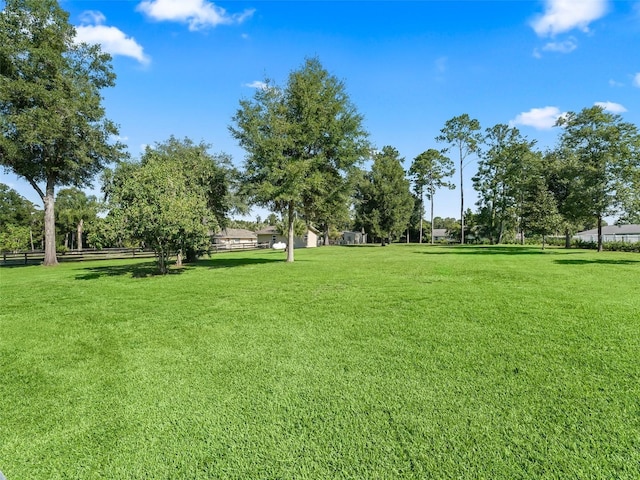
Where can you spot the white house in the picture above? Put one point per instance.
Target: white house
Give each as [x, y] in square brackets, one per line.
[612, 233]
[270, 235]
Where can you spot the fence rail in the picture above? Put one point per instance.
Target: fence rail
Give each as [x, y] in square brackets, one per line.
[37, 256]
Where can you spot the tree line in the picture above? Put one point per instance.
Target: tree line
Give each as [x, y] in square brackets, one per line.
[306, 148]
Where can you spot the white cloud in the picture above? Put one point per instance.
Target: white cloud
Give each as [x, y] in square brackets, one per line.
[565, 15]
[256, 84]
[93, 17]
[636, 80]
[538, 118]
[615, 83]
[198, 14]
[111, 39]
[566, 46]
[611, 107]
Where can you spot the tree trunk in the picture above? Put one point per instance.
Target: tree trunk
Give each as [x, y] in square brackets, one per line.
[79, 235]
[49, 225]
[567, 239]
[179, 259]
[31, 238]
[326, 236]
[162, 263]
[461, 201]
[290, 234]
[543, 239]
[432, 242]
[599, 233]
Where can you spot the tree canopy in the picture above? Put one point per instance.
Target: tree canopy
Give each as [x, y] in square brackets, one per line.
[429, 171]
[607, 152]
[173, 199]
[301, 140]
[53, 130]
[384, 200]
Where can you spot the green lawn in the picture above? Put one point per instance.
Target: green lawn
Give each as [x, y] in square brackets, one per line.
[407, 361]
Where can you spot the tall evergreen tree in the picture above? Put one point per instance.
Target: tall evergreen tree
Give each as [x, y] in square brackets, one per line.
[461, 133]
[429, 170]
[384, 199]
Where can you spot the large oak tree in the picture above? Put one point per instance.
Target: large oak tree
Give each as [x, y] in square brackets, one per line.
[302, 140]
[53, 130]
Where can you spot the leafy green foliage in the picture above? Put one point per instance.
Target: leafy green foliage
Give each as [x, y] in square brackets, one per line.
[384, 201]
[53, 129]
[501, 180]
[74, 210]
[607, 154]
[172, 200]
[428, 171]
[302, 141]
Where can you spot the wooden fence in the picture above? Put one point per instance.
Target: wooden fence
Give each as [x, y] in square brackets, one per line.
[37, 256]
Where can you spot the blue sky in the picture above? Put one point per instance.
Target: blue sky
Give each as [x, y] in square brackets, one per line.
[183, 65]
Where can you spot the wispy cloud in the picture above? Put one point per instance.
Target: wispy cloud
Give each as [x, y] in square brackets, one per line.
[566, 46]
[111, 39]
[256, 84]
[611, 107]
[198, 14]
[615, 83]
[538, 118]
[562, 16]
[636, 80]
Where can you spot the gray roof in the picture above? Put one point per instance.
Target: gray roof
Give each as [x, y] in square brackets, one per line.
[614, 230]
[270, 230]
[440, 232]
[235, 233]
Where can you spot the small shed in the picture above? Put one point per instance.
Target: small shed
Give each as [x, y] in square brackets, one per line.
[353, 238]
[440, 234]
[270, 235]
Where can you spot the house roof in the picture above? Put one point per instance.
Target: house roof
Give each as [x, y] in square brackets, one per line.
[270, 230]
[273, 230]
[632, 229]
[439, 232]
[235, 233]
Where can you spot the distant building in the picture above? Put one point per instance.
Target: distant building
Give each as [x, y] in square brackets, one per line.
[612, 233]
[440, 234]
[270, 235]
[353, 238]
[235, 236]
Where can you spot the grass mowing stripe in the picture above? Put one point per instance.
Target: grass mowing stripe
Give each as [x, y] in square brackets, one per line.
[401, 362]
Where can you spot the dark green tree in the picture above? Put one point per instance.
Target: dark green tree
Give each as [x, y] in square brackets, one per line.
[540, 211]
[53, 130]
[74, 210]
[384, 200]
[607, 151]
[501, 180]
[302, 140]
[429, 171]
[462, 134]
[173, 200]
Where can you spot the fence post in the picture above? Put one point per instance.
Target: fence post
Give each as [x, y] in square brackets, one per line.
[25, 258]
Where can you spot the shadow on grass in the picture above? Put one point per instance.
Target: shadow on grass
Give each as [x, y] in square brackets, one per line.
[492, 250]
[227, 262]
[150, 269]
[596, 261]
[134, 270]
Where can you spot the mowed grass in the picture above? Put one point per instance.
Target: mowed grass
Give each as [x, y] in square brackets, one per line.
[407, 361]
